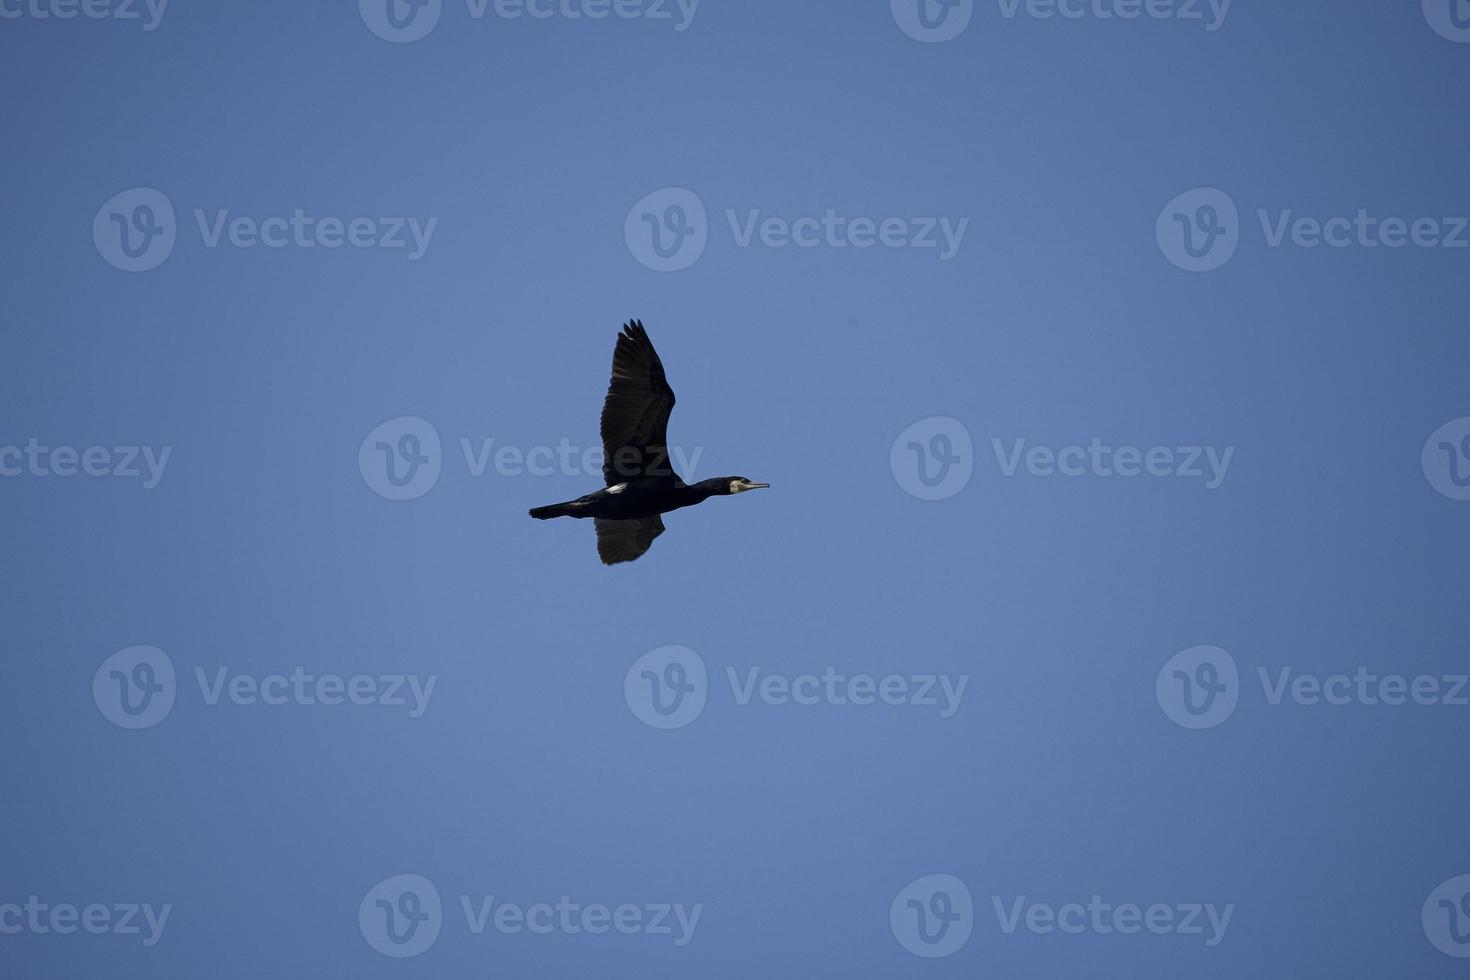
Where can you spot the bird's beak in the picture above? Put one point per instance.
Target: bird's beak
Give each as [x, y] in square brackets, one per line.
[757, 486]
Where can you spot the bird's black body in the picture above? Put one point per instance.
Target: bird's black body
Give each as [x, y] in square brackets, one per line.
[638, 498]
[641, 483]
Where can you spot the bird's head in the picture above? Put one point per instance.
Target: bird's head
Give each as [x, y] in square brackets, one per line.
[735, 484]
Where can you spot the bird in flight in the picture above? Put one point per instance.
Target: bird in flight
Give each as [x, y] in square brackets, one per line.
[641, 483]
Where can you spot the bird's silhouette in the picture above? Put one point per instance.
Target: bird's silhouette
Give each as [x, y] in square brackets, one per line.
[641, 482]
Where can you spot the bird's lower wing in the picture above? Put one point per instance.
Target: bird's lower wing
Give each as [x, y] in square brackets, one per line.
[619, 541]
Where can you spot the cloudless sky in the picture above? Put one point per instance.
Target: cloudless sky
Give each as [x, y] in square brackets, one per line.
[1059, 320]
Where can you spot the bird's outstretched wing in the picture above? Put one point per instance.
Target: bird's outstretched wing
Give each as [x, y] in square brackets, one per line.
[635, 416]
[619, 541]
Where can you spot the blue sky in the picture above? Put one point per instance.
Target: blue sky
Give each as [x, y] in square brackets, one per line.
[1109, 373]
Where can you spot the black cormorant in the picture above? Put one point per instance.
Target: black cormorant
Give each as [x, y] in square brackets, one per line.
[641, 483]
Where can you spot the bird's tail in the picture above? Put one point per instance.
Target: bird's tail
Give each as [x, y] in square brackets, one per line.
[554, 510]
